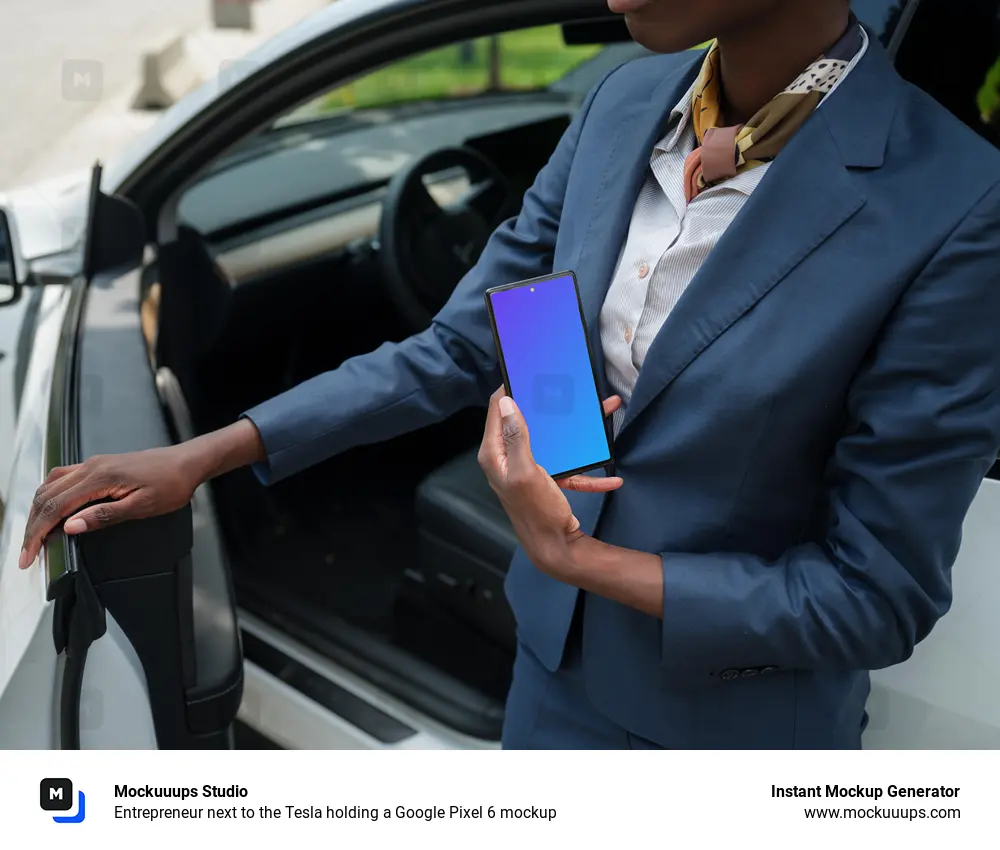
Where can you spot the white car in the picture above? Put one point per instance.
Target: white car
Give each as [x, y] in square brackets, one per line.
[260, 234]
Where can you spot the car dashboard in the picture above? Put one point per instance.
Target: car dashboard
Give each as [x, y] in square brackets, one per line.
[309, 168]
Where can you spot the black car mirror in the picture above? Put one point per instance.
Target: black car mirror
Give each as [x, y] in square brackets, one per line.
[10, 289]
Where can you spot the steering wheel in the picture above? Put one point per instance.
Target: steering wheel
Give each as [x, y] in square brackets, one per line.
[427, 248]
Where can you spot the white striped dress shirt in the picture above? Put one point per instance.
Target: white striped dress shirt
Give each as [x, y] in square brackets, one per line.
[668, 241]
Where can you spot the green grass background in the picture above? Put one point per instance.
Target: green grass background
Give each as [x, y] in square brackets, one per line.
[529, 59]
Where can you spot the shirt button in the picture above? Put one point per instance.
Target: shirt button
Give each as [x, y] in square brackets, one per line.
[643, 270]
[628, 334]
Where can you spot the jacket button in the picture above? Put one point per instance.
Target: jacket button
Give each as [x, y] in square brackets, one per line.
[727, 675]
[750, 671]
[771, 669]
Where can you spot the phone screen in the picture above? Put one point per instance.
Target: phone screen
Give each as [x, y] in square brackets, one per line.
[542, 342]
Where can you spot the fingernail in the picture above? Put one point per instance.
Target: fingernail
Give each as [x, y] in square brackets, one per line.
[22, 561]
[75, 526]
[506, 406]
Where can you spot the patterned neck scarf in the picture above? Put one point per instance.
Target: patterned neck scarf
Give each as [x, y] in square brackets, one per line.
[724, 152]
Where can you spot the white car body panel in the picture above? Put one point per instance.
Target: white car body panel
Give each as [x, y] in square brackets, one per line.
[947, 696]
[11, 318]
[27, 657]
[22, 592]
[28, 700]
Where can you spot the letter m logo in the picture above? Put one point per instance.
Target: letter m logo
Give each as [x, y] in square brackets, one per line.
[56, 795]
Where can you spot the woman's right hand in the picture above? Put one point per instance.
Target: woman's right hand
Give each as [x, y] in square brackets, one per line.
[141, 484]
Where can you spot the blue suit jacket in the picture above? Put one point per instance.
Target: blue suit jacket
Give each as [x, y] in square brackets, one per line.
[808, 429]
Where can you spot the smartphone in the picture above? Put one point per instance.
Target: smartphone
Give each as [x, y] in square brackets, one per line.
[545, 358]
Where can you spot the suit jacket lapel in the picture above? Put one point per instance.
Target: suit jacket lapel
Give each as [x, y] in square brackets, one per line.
[801, 201]
[806, 196]
[638, 127]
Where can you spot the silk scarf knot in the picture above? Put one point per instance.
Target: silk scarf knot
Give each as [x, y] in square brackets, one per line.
[723, 152]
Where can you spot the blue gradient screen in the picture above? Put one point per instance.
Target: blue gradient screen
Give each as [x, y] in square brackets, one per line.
[544, 346]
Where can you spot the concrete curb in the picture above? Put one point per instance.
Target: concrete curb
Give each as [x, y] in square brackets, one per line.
[178, 65]
[207, 53]
[167, 74]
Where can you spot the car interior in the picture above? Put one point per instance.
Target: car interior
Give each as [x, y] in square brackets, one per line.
[322, 238]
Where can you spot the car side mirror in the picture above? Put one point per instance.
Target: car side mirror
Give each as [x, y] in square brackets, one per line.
[10, 289]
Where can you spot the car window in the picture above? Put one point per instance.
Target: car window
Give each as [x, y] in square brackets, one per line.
[523, 60]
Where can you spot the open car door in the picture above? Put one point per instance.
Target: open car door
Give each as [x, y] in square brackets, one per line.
[136, 643]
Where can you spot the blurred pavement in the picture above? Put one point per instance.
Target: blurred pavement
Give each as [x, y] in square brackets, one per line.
[44, 42]
[71, 69]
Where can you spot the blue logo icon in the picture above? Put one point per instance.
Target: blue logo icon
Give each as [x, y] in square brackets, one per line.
[56, 795]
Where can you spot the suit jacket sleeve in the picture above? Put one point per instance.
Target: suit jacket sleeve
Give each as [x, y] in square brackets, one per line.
[401, 387]
[924, 429]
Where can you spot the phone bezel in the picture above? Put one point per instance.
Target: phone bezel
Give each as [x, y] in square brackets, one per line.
[603, 464]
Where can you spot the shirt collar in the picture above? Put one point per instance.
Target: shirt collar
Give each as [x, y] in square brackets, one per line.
[680, 120]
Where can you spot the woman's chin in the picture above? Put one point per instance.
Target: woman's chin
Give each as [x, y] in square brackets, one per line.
[625, 7]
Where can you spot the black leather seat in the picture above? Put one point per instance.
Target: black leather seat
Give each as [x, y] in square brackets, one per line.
[465, 545]
[194, 306]
[214, 691]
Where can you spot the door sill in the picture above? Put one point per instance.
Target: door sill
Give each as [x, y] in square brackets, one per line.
[399, 674]
[245, 737]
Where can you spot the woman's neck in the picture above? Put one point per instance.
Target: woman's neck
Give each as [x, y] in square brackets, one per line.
[759, 61]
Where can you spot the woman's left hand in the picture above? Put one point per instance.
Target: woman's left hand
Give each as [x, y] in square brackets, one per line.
[539, 511]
